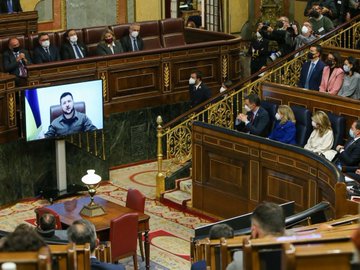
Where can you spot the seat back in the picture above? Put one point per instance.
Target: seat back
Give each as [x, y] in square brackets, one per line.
[172, 32]
[103, 252]
[303, 124]
[338, 126]
[4, 41]
[83, 256]
[135, 200]
[34, 41]
[123, 236]
[42, 210]
[120, 30]
[56, 110]
[150, 33]
[92, 36]
[64, 256]
[271, 108]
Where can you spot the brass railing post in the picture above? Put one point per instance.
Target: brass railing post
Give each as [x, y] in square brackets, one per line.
[160, 177]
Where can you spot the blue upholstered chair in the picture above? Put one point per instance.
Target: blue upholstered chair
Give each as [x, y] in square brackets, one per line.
[303, 124]
[338, 126]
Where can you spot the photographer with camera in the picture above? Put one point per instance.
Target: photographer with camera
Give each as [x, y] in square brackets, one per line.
[258, 49]
[284, 35]
[321, 24]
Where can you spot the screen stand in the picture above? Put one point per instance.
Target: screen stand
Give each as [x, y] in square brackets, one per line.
[61, 166]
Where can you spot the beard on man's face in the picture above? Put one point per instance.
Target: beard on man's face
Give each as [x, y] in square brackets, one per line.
[66, 111]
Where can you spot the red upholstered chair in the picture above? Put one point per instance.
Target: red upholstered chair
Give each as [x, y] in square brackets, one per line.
[34, 41]
[136, 200]
[42, 210]
[150, 33]
[123, 237]
[92, 36]
[172, 32]
[4, 41]
[60, 39]
[120, 30]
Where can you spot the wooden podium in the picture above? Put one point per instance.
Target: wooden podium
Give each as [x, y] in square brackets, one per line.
[17, 24]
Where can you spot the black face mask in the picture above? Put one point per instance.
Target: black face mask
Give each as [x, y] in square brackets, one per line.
[279, 24]
[330, 63]
[16, 49]
[310, 55]
[314, 14]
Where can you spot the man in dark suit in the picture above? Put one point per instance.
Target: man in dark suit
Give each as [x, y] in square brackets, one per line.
[311, 71]
[45, 52]
[72, 47]
[10, 6]
[83, 231]
[15, 60]
[133, 42]
[349, 155]
[199, 92]
[47, 228]
[256, 121]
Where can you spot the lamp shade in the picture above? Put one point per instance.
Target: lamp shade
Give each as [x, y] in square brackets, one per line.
[91, 178]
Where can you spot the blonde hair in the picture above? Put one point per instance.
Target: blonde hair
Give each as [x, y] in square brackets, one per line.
[287, 113]
[107, 31]
[322, 121]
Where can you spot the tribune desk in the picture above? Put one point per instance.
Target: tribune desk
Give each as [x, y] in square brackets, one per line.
[69, 211]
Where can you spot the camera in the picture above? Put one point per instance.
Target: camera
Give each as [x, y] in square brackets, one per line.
[265, 26]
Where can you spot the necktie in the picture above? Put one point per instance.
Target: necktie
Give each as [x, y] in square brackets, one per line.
[22, 68]
[309, 75]
[136, 48]
[78, 53]
[10, 6]
[47, 52]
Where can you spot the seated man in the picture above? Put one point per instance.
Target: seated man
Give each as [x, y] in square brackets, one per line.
[267, 220]
[15, 60]
[70, 121]
[10, 6]
[349, 155]
[45, 52]
[256, 121]
[221, 230]
[133, 42]
[83, 231]
[46, 228]
[72, 48]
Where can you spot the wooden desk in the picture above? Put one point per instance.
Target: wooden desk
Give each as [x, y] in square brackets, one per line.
[69, 211]
[17, 24]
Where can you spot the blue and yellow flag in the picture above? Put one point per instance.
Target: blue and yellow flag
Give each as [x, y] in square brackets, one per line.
[32, 114]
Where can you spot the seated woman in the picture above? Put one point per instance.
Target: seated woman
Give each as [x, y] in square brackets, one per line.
[108, 44]
[333, 74]
[351, 84]
[322, 138]
[284, 130]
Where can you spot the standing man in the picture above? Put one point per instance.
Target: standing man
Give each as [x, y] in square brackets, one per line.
[10, 6]
[72, 48]
[133, 42]
[45, 52]
[312, 70]
[349, 155]
[199, 92]
[256, 121]
[15, 60]
[70, 121]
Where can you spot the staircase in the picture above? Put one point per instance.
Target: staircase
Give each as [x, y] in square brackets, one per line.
[179, 197]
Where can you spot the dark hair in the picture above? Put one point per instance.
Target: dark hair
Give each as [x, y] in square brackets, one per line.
[47, 222]
[357, 124]
[318, 48]
[228, 83]
[270, 218]
[253, 99]
[198, 74]
[23, 238]
[42, 34]
[66, 94]
[66, 34]
[218, 231]
[81, 232]
[354, 62]
[337, 59]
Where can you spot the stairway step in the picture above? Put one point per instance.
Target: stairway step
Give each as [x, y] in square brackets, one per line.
[178, 197]
[186, 186]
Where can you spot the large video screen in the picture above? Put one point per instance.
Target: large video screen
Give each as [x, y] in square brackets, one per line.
[61, 110]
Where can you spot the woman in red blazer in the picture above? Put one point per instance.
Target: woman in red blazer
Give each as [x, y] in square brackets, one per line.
[333, 74]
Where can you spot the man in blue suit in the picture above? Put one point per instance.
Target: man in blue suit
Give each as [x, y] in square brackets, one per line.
[45, 52]
[83, 231]
[311, 71]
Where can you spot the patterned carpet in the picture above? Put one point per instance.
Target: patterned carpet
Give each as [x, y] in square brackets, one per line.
[170, 229]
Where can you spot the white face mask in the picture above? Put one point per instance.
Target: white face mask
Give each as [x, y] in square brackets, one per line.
[258, 35]
[73, 38]
[346, 68]
[304, 30]
[134, 34]
[313, 124]
[351, 133]
[278, 116]
[222, 89]
[192, 81]
[45, 43]
[247, 108]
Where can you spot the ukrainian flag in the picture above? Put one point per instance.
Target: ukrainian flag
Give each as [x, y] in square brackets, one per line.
[32, 114]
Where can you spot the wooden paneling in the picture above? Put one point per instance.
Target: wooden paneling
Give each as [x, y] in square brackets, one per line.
[233, 182]
[17, 24]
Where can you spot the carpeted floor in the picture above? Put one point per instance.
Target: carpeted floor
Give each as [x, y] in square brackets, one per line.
[170, 229]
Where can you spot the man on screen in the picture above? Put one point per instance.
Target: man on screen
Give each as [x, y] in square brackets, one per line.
[71, 121]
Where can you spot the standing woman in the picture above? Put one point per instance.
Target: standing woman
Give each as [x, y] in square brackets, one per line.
[351, 85]
[284, 130]
[333, 74]
[108, 44]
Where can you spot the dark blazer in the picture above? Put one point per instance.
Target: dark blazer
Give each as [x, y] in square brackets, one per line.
[10, 64]
[103, 49]
[199, 95]
[351, 154]
[126, 43]
[315, 79]
[97, 265]
[40, 56]
[259, 126]
[67, 51]
[16, 6]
